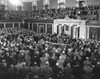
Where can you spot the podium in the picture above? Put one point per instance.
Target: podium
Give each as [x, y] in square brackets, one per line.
[75, 28]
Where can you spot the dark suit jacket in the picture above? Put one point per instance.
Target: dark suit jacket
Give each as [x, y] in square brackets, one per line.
[68, 73]
[47, 72]
[3, 71]
[23, 72]
[35, 71]
[12, 73]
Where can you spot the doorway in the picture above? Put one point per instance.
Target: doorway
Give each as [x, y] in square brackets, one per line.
[94, 33]
[42, 28]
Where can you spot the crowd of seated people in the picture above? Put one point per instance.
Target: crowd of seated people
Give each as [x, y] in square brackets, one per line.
[25, 54]
[89, 12]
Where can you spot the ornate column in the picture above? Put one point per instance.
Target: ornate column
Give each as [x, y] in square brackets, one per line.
[19, 25]
[28, 26]
[13, 24]
[4, 25]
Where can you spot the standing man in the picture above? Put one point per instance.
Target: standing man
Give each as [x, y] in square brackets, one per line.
[35, 71]
[47, 71]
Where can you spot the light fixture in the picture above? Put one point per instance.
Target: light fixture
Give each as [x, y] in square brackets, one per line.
[14, 2]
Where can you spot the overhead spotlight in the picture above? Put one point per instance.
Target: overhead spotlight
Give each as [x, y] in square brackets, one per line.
[15, 2]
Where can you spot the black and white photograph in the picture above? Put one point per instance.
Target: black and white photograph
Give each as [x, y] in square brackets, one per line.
[49, 39]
